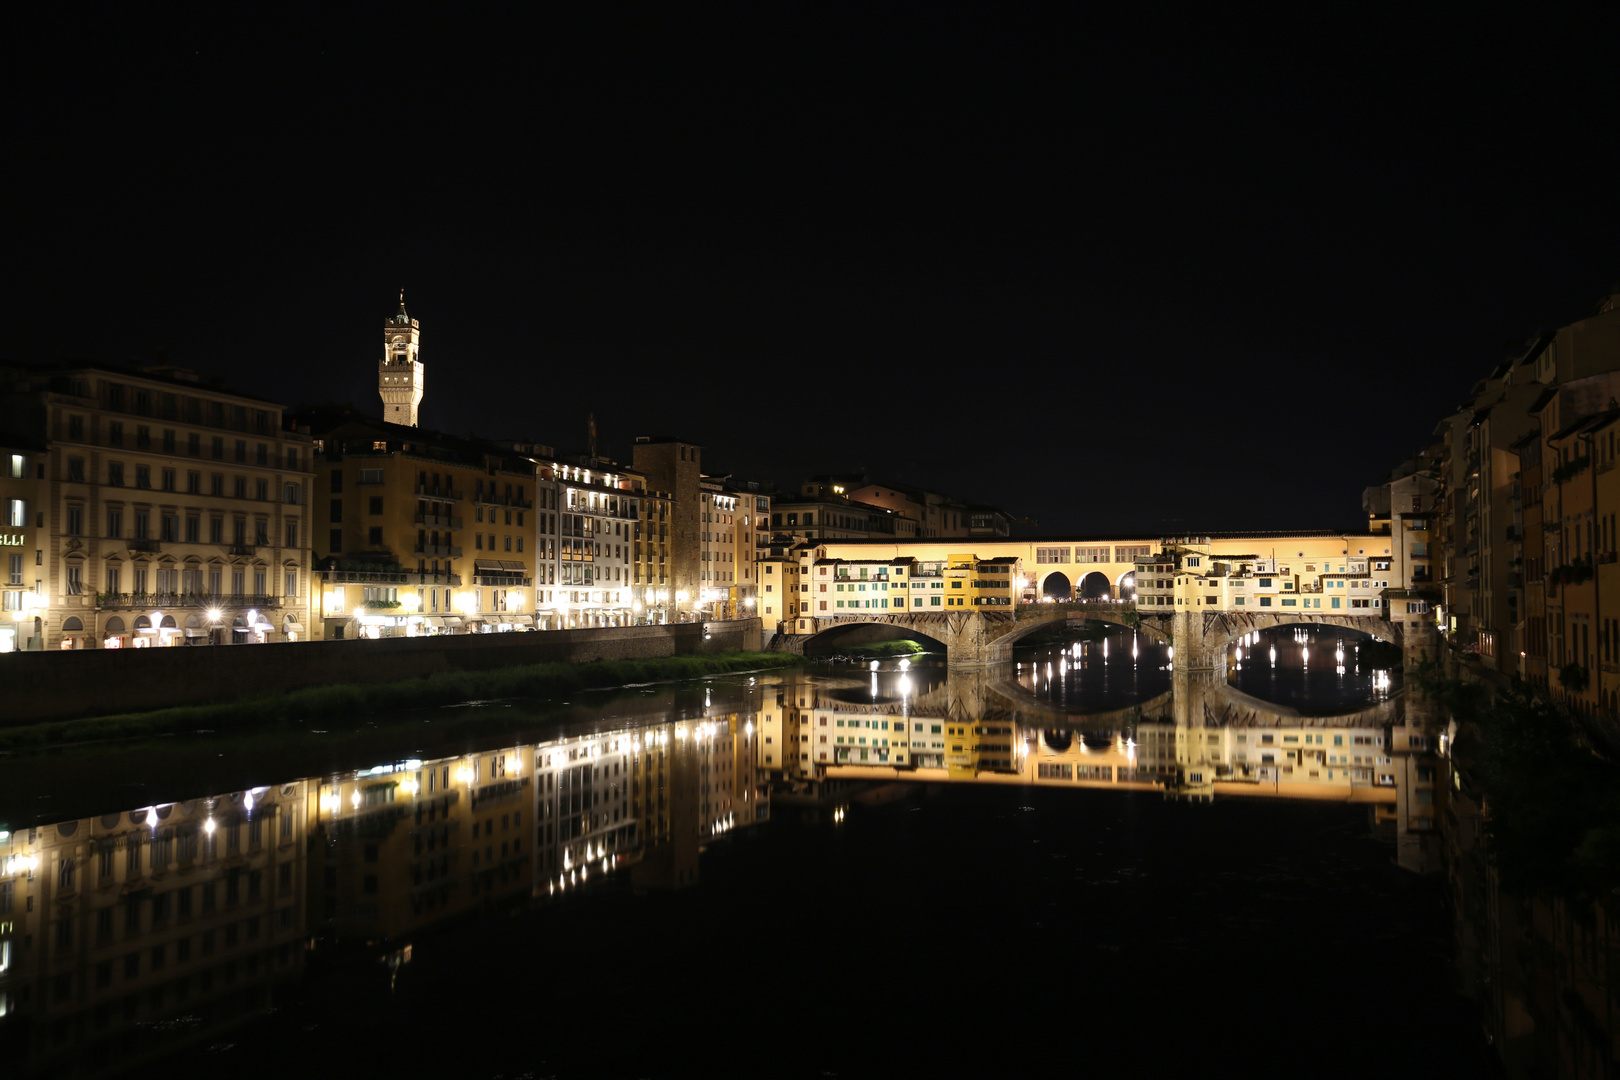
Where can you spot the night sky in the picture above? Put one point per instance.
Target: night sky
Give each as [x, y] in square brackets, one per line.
[1169, 272]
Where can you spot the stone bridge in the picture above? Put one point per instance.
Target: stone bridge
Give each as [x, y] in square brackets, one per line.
[1198, 638]
[985, 636]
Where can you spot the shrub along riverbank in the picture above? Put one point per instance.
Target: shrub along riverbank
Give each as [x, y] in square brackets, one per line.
[352, 703]
[1553, 821]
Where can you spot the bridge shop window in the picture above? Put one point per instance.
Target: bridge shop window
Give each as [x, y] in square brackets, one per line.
[1051, 555]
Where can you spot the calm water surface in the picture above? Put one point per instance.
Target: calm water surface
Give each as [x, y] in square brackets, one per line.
[652, 885]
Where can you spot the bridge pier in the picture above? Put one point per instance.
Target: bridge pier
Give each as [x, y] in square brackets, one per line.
[1194, 649]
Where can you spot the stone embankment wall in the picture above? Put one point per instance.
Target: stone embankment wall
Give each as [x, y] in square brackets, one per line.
[64, 685]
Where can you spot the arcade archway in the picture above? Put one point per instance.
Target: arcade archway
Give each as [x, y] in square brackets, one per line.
[1095, 586]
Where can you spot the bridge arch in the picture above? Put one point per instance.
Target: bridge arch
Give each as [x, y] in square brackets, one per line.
[1125, 585]
[1222, 629]
[1103, 613]
[852, 635]
[1057, 586]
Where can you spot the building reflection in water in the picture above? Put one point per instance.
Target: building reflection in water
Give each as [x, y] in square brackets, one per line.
[141, 933]
[1201, 739]
[126, 936]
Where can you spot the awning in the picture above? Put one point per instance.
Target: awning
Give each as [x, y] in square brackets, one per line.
[488, 564]
[452, 620]
[196, 633]
[513, 567]
[432, 620]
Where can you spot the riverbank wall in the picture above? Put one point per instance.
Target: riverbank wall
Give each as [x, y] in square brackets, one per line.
[69, 685]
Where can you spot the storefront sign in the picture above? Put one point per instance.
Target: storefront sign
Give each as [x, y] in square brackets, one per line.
[12, 539]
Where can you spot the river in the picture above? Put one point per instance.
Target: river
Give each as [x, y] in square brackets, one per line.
[991, 871]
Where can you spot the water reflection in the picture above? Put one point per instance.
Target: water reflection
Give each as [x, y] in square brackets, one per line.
[1119, 668]
[137, 933]
[131, 933]
[1309, 668]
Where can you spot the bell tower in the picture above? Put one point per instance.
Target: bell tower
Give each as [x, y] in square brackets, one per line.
[399, 376]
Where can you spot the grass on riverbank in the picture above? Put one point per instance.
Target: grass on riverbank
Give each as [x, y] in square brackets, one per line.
[902, 647]
[350, 703]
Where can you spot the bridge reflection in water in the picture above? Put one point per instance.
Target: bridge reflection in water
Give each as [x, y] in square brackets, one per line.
[130, 934]
[1199, 738]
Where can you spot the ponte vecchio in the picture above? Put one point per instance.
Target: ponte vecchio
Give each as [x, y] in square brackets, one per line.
[1196, 592]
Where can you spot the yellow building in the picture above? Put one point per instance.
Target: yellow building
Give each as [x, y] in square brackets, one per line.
[1062, 569]
[172, 512]
[651, 591]
[420, 533]
[779, 596]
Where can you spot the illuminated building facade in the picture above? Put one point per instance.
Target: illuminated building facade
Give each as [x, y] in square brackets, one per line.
[587, 542]
[171, 512]
[420, 533]
[23, 572]
[675, 467]
[782, 590]
[722, 552]
[652, 597]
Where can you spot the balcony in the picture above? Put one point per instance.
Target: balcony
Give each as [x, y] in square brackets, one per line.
[446, 493]
[388, 577]
[117, 601]
[516, 503]
[438, 521]
[440, 550]
[243, 549]
[145, 545]
[503, 581]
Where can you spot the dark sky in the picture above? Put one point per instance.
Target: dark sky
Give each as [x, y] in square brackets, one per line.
[1169, 272]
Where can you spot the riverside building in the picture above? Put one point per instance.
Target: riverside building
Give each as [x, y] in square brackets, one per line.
[22, 545]
[418, 533]
[675, 467]
[167, 511]
[586, 541]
